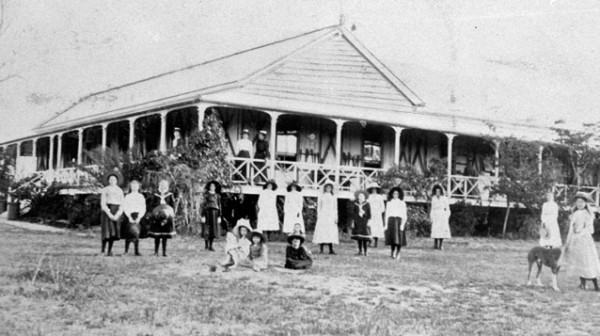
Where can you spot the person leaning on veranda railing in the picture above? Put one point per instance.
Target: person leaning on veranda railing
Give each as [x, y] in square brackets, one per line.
[262, 154]
[580, 256]
[111, 201]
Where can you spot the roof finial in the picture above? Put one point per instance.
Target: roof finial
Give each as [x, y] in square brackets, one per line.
[342, 20]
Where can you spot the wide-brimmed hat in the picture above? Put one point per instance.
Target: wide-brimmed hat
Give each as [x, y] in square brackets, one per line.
[358, 192]
[583, 196]
[328, 183]
[295, 236]
[272, 182]
[294, 184]
[242, 223]
[258, 233]
[176, 129]
[399, 190]
[217, 186]
[263, 132]
[374, 185]
[115, 172]
[245, 130]
[436, 187]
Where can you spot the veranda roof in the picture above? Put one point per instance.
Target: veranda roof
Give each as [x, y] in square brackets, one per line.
[325, 72]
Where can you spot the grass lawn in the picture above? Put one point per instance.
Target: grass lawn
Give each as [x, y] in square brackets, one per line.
[474, 287]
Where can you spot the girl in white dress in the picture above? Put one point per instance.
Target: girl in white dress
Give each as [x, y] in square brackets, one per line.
[268, 219]
[580, 255]
[326, 229]
[377, 212]
[440, 215]
[134, 208]
[550, 223]
[292, 208]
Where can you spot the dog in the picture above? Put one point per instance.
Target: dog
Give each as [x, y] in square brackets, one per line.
[545, 256]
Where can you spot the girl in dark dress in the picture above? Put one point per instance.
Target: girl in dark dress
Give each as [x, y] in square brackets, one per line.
[296, 255]
[262, 153]
[395, 221]
[162, 217]
[211, 214]
[361, 213]
[111, 203]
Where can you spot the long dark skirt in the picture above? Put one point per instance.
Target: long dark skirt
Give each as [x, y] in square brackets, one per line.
[298, 264]
[393, 234]
[210, 227]
[111, 230]
[134, 231]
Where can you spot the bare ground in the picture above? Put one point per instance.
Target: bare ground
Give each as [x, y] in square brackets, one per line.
[56, 284]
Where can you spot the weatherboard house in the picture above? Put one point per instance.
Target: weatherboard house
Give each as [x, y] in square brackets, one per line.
[331, 109]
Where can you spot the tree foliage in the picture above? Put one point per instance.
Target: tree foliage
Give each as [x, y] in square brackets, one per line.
[584, 153]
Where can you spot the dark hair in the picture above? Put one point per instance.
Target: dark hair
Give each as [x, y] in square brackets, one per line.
[400, 193]
[437, 187]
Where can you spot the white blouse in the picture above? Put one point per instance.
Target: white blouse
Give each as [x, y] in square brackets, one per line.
[395, 208]
[111, 195]
[244, 145]
[134, 202]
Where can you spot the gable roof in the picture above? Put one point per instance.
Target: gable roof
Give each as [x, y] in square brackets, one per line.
[327, 65]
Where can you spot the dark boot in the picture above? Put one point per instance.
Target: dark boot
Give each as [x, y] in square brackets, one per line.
[127, 245]
[582, 284]
[156, 245]
[331, 251]
[321, 248]
[210, 245]
[136, 245]
[440, 246]
[435, 244]
[103, 246]
[110, 245]
[206, 244]
[376, 240]
[164, 243]
[393, 251]
[595, 282]
[360, 248]
[365, 247]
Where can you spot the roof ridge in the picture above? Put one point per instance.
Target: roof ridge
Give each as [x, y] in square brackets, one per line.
[88, 96]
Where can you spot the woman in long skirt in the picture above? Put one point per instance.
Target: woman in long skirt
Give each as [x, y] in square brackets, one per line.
[326, 229]
[162, 217]
[211, 214]
[134, 208]
[111, 201]
[551, 239]
[268, 219]
[377, 211]
[361, 214]
[395, 221]
[440, 216]
[292, 208]
[580, 255]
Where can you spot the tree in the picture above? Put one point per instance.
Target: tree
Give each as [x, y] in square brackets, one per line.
[413, 182]
[522, 184]
[584, 153]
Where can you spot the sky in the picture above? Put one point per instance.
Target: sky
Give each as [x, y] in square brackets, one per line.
[530, 61]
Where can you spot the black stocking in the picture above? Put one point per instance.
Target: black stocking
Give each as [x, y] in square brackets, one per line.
[110, 245]
[435, 243]
[440, 244]
[595, 282]
[103, 245]
[330, 248]
[360, 247]
[136, 245]
[156, 245]
[321, 246]
[582, 281]
[393, 250]
[164, 243]
[365, 246]
[210, 244]
[127, 245]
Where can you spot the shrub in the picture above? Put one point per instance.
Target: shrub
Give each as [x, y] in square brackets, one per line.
[418, 223]
[465, 218]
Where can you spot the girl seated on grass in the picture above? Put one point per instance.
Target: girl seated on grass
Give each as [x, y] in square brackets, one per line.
[258, 258]
[296, 255]
[237, 246]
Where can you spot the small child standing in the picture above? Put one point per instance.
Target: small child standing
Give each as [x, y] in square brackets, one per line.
[296, 255]
[258, 258]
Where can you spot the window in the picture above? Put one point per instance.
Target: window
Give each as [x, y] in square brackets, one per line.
[372, 154]
[287, 146]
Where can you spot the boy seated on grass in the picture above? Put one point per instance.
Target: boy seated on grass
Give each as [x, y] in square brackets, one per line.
[258, 257]
[296, 255]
